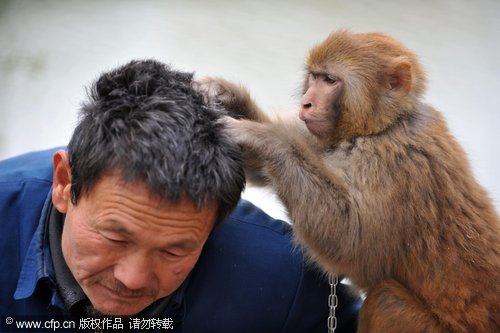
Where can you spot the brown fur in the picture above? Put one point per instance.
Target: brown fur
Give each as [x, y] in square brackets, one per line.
[387, 198]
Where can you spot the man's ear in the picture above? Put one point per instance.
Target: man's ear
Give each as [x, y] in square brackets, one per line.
[61, 195]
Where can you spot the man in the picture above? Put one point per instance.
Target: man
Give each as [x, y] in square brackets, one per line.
[127, 221]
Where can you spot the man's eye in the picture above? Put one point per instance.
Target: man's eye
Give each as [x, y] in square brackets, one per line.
[171, 254]
[117, 241]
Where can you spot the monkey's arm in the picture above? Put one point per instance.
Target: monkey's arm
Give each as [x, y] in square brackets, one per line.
[236, 100]
[232, 96]
[317, 200]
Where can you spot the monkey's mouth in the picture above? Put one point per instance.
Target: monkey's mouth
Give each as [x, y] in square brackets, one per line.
[314, 126]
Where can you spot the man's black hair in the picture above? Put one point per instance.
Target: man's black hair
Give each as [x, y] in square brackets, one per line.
[146, 121]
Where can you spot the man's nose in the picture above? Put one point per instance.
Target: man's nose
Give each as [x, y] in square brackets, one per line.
[134, 272]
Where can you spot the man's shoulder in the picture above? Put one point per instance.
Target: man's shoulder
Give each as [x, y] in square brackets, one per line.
[250, 265]
[25, 182]
[35, 166]
[249, 216]
[249, 231]
[252, 243]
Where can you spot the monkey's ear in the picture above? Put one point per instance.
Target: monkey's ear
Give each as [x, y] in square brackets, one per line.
[400, 75]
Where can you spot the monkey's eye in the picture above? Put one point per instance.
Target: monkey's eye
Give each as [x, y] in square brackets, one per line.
[330, 79]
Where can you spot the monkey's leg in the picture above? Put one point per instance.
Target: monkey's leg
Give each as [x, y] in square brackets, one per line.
[391, 308]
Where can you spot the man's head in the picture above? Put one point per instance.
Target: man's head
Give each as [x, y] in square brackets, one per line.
[147, 174]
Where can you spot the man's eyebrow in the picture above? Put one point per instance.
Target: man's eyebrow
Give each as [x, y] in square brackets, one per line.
[185, 244]
[117, 228]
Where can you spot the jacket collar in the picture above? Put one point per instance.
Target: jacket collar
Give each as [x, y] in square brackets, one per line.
[38, 266]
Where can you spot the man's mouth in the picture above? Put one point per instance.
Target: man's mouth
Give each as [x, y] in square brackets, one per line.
[126, 293]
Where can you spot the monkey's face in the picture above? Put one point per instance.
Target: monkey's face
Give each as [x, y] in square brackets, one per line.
[318, 105]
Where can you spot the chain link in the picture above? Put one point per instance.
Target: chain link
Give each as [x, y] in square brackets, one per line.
[333, 280]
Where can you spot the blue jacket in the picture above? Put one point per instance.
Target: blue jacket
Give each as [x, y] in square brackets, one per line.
[249, 278]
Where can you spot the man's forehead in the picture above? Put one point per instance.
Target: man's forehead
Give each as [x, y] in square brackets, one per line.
[112, 189]
[115, 177]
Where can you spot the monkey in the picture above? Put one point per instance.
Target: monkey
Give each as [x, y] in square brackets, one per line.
[376, 187]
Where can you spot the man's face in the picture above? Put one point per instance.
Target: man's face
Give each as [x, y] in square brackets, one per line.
[127, 249]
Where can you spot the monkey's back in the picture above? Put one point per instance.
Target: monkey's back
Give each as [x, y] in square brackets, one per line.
[435, 225]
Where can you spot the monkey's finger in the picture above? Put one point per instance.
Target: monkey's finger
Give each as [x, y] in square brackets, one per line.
[209, 88]
[228, 122]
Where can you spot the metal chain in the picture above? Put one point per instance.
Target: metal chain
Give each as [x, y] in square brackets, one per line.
[333, 280]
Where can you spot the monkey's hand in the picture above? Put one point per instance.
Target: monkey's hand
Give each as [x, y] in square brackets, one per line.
[260, 138]
[233, 97]
[251, 136]
[216, 91]
[243, 132]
